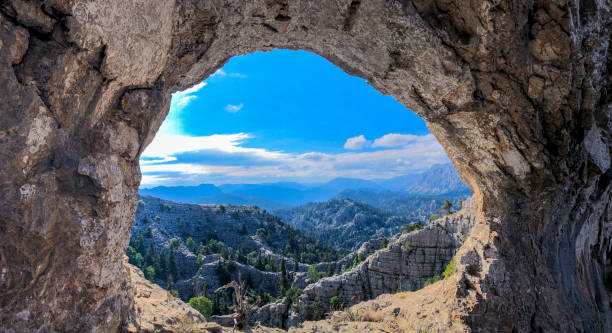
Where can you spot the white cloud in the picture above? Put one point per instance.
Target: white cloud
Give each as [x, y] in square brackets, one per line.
[356, 143]
[233, 108]
[398, 140]
[163, 164]
[164, 147]
[185, 100]
[219, 73]
[193, 89]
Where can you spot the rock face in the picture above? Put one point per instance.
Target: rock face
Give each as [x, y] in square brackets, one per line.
[517, 93]
[403, 265]
[396, 267]
[159, 221]
[155, 308]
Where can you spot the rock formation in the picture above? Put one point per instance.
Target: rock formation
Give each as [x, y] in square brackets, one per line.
[404, 265]
[517, 93]
[155, 309]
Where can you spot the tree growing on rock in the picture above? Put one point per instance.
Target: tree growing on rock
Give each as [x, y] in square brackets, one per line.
[244, 302]
[284, 282]
[202, 304]
[447, 207]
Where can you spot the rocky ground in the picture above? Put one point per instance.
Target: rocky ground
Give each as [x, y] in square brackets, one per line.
[517, 93]
[403, 265]
[378, 279]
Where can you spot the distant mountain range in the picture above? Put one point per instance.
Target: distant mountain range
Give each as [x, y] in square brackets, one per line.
[439, 180]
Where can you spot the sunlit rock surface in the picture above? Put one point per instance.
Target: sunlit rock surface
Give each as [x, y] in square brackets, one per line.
[517, 93]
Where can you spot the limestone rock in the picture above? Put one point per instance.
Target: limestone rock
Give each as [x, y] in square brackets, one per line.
[158, 311]
[74, 71]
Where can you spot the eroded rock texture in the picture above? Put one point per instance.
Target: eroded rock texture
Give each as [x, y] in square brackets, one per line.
[517, 93]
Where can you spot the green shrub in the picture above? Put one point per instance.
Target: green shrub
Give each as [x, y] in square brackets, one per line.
[199, 258]
[174, 242]
[384, 243]
[434, 217]
[406, 246]
[313, 274]
[150, 273]
[334, 303]
[292, 294]
[157, 218]
[432, 280]
[141, 203]
[202, 304]
[190, 244]
[450, 269]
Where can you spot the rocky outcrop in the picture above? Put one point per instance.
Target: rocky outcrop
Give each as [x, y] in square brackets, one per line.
[207, 276]
[517, 92]
[156, 310]
[404, 265]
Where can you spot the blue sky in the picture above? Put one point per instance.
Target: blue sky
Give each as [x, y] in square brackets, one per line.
[285, 116]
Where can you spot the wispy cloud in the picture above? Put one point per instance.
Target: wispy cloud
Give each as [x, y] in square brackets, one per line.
[193, 89]
[183, 101]
[220, 73]
[356, 143]
[233, 108]
[178, 159]
[397, 140]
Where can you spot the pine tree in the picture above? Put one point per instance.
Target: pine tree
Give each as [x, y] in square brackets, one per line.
[163, 266]
[284, 282]
[149, 256]
[244, 230]
[446, 207]
[172, 268]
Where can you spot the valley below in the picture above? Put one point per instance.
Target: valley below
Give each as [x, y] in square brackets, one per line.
[299, 263]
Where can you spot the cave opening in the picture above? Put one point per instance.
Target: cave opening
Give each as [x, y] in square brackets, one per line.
[281, 169]
[87, 84]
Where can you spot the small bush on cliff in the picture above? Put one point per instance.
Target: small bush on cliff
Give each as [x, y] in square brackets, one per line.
[447, 207]
[406, 246]
[412, 227]
[432, 280]
[190, 244]
[450, 269]
[202, 304]
[313, 274]
[150, 273]
[384, 243]
[292, 295]
[334, 303]
[434, 217]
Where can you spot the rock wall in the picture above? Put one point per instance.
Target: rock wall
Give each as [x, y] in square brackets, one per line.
[517, 93]
[404, 265]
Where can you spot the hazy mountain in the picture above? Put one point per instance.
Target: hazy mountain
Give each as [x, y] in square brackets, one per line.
[410, 206]
[399, 183]
[188, 194]
[440, 179]
[241, 199]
